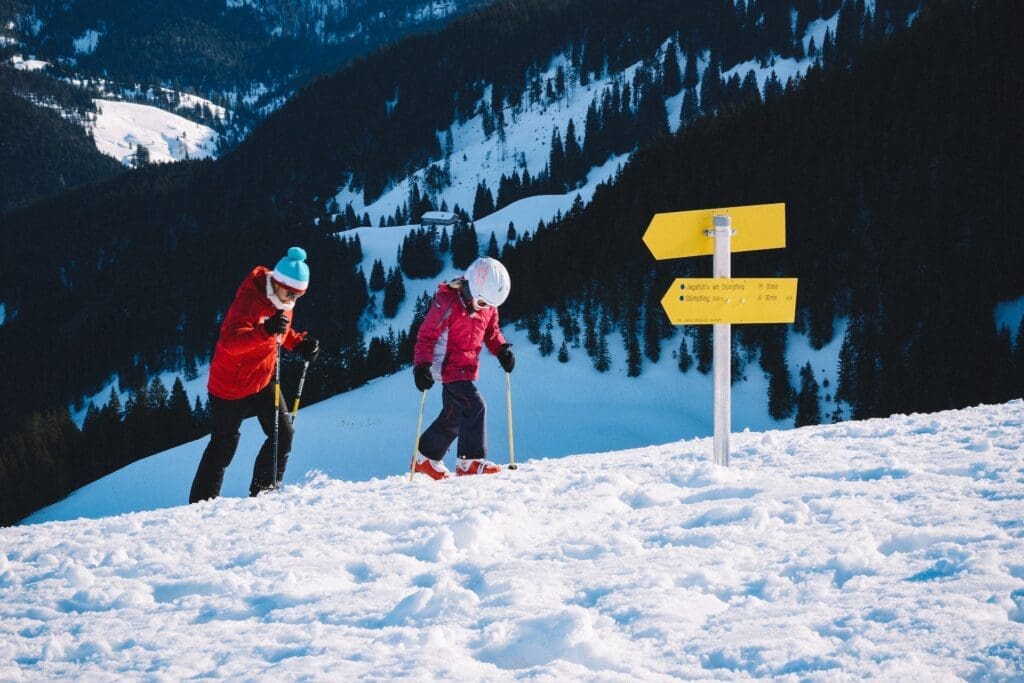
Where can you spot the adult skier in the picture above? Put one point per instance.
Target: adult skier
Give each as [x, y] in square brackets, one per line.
[242, 369]
[462, 319]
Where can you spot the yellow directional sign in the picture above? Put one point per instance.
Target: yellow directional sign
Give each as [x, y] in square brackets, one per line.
[682, 233]
[706, 301]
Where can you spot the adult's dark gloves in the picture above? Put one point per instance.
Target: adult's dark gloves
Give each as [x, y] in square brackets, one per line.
[507, 358]
[276, 324]
[421, 373]
[308, 348]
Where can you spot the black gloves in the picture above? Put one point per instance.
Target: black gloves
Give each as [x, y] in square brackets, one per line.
[276, 324]
[507, 358]
[308, 348]
[421, 373]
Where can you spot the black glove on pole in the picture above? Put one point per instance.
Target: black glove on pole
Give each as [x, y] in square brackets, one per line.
[424, 379]
[276, 324]
[308, 348]
[507, 358]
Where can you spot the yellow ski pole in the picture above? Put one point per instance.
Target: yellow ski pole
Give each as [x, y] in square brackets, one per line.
[508, 405]
[277, 412]
[416, 443]
[298, 393]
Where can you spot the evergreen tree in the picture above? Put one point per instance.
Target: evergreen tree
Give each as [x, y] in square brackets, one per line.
[653, 315]
[689, 110]
[141, 156]
[483, 201]
[711, 87]
[574, 164]
[602, 358]
[394, 293]
[704, 348]
[492, 247]
[846, 388]
[672, 79]
[191, 369]
[690, 75]
[594, 152]
[180, 423]
[772, 88]
[773, 361]
[465, 247]
[556, 163]
[629, 334]
[563, 353]
[380, 358]
[547, 343]
[808, 410]
[377, 279]
[683, 357]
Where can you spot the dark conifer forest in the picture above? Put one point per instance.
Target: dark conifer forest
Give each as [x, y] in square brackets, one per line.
[897, 162]
[41, 154]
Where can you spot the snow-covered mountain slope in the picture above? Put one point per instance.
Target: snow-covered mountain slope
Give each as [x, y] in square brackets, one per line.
[526, 144]
[120, 128]
[888, 549]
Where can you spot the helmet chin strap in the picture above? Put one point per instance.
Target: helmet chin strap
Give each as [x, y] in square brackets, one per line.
[276, 300]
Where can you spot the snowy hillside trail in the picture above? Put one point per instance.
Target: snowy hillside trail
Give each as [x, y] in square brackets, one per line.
[885, 548]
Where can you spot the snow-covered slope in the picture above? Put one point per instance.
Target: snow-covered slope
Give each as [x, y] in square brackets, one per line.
[120, 127]
[526, 143]
[888, 549]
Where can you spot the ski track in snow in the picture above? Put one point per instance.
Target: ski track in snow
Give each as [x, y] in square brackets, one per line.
[888, 548]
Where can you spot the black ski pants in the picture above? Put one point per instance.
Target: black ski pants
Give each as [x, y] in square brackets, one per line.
[463, 414]
[226, 417]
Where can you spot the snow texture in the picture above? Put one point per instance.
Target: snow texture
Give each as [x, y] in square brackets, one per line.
[889, 548]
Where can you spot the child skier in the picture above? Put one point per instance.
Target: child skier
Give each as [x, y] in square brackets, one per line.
[242, 370]
[462, 318]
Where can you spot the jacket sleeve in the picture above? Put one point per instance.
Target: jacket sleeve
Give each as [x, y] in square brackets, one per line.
[493, 337]
[430, 330]
[291, 337]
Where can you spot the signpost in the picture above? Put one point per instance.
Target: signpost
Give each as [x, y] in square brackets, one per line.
[678, 234]
[703, 301]
[722, 300]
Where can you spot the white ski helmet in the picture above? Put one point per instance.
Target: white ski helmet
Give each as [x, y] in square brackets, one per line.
[489, 281]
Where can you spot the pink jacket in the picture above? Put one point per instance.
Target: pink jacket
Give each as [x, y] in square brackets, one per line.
[451, 336]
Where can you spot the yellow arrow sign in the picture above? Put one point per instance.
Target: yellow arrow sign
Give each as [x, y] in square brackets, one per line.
[682, 233]
[706, 301]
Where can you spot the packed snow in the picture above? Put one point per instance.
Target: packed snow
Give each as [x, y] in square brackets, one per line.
[889, 548]
[121, 127]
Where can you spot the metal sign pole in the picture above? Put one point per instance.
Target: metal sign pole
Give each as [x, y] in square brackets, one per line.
[722, 349]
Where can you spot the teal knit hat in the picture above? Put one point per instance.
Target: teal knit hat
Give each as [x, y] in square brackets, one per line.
[292, 271]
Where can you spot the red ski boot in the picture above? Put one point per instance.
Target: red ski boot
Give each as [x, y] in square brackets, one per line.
[467, 466]
[434, 469]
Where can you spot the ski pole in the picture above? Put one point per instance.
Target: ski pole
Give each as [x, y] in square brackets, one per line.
[277, 410]
[508, 404]
[298, 392]
[416, 444]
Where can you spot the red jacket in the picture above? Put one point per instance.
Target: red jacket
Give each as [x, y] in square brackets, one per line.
[243, 361]
[451, 336]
